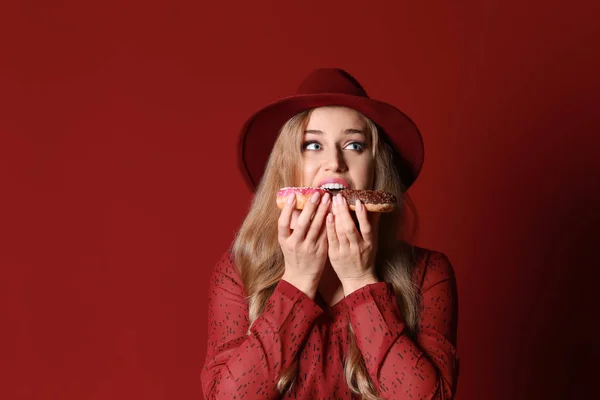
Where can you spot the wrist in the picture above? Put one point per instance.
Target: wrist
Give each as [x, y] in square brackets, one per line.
[353, 284]
[308, 286]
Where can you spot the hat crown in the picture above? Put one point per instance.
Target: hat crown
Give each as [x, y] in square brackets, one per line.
[331, 80]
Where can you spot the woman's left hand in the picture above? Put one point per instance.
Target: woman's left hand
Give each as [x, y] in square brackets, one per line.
[352, 253]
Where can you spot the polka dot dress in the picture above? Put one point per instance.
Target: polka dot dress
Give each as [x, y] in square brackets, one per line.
[293, 326]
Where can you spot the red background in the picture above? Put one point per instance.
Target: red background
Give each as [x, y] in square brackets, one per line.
[118, 121]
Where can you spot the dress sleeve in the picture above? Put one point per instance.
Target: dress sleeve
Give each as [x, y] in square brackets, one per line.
[400, 368]
[246, 365]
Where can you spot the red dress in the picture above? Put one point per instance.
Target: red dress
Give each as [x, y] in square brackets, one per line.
[240, 366]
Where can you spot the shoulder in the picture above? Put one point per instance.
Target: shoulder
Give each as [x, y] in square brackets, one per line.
[225, 272]
[431, 267]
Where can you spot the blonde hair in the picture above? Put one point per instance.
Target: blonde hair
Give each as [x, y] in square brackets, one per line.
[259, 258]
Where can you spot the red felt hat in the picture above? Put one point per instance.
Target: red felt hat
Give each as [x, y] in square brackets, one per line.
[328, 87]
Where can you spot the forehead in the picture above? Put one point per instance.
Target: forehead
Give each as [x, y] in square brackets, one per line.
[334, 119]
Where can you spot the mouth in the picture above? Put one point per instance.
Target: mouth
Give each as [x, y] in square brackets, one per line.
[333, 187]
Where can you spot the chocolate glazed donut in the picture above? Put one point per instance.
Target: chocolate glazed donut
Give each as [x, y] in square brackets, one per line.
[373, 200]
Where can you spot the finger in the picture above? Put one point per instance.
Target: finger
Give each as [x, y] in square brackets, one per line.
[344, 224]
[319, 218]
[306, 216]
[332, 238]
[323, 233]
[295, 215]
[285, 217]
[364, 223]
[374, 219]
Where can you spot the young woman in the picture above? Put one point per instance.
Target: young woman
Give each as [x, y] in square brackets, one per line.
[328, 303]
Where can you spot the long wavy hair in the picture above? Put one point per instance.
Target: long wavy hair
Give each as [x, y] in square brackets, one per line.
[260, 261]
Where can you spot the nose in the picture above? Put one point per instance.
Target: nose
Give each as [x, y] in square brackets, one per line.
[335, 161]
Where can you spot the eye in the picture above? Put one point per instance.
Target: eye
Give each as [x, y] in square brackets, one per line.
[311, 146]
[358, 146]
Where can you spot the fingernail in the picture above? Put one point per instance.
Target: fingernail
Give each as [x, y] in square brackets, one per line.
[291, 198]
[358, 205]
[325, 198]
[315, 197]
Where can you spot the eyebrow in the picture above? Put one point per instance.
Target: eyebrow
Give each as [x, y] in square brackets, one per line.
[346, 131]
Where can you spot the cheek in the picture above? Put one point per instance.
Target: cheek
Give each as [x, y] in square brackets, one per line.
[309, 172]
[363, 175]
[371, 176]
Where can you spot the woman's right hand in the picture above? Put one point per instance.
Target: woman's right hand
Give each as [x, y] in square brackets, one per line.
[305, 245]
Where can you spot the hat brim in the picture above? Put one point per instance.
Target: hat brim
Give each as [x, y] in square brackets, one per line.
[261, 130]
